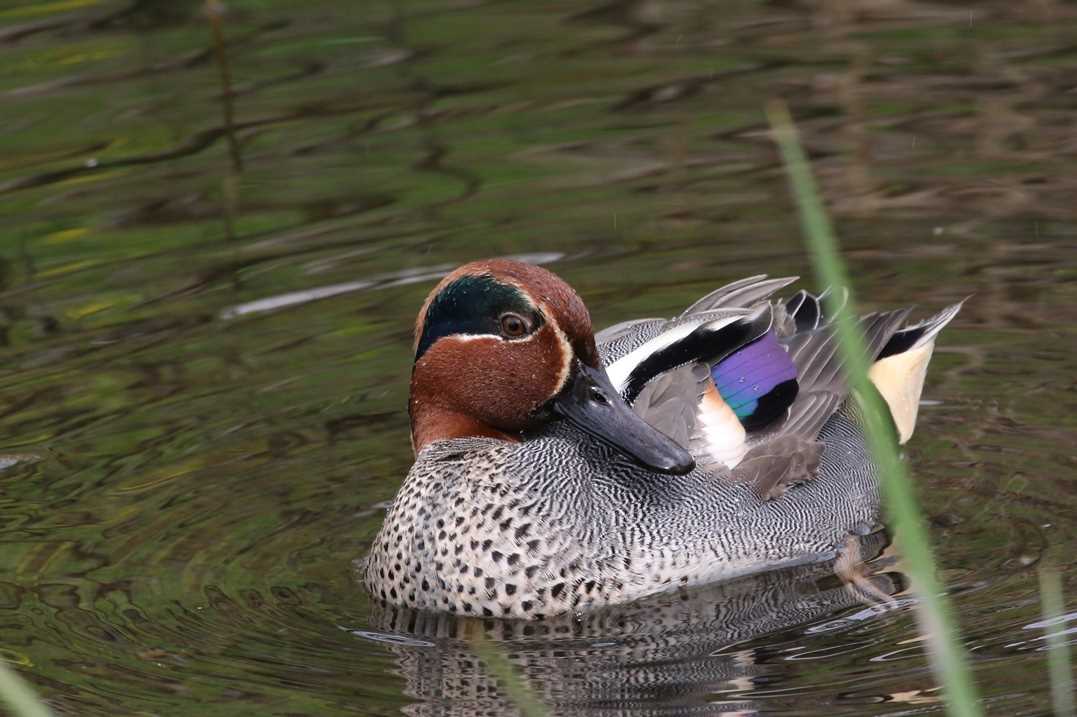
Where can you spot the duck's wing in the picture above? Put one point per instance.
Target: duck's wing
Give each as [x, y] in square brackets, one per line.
[672, 385]
[663, 368]
[728, 302]
[747, 384]
[785, 451]
[739, 294]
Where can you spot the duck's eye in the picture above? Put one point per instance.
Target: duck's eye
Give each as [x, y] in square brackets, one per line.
[513, 326]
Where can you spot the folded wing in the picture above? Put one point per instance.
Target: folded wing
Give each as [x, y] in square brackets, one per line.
[747, 383]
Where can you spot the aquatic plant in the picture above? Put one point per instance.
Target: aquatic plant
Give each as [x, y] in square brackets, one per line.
[509, 678]
[1058, 654]
[19, 696]
[947, 655]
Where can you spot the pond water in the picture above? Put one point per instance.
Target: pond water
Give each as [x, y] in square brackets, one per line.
[205, 334]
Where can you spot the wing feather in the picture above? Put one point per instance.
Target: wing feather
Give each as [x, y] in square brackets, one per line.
[743, 293]
[669, 365]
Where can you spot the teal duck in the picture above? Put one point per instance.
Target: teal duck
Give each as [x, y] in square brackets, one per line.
[558, 470]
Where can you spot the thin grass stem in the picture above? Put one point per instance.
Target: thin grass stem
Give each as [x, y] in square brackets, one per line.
[1058, 649]
[19, 696]
[515, 687]
[947, 655]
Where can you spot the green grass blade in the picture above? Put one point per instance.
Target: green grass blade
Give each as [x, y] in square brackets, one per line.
[1058, 653]
[515, 687]
[936, 621]
[19, 696]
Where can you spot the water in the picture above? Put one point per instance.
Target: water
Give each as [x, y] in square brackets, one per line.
[204, 363]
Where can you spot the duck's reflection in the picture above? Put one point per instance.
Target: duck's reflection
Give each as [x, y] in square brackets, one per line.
[682, 653]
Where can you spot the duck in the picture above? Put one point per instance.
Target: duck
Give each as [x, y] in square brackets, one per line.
[562, 471]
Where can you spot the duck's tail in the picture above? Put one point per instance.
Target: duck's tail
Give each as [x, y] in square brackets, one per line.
[899, 369]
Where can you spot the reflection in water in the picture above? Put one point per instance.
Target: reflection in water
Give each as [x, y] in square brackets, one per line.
[198, 434]
[673, 654]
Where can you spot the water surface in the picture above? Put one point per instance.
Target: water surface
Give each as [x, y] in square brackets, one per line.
[205, 327]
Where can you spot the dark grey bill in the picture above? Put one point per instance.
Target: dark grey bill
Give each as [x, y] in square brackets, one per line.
[591, 402]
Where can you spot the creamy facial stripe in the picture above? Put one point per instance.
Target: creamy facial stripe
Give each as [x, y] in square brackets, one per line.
[566, 357]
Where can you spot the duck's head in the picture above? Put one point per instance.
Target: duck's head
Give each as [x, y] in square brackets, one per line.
[502, 348]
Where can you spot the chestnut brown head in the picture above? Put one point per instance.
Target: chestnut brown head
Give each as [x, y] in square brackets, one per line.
[503, 347]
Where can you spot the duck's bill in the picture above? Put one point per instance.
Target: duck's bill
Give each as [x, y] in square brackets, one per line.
[591, 402]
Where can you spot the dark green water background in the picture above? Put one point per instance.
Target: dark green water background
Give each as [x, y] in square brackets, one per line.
[203, 367]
